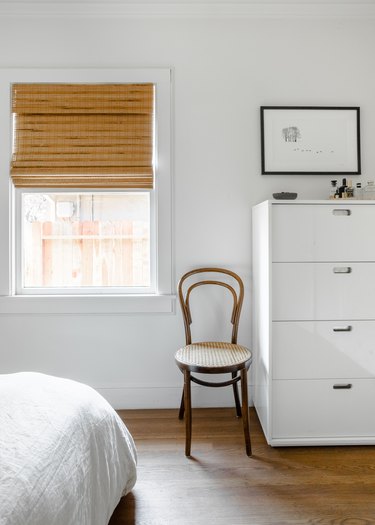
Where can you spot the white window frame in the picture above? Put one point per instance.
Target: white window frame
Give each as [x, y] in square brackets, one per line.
[163, 300]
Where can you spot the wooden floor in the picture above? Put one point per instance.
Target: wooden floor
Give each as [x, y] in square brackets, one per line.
[221, 485]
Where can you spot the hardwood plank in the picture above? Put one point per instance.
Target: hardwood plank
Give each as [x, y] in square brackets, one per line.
[220, 485]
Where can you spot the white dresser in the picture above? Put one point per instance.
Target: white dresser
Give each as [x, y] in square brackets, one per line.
[314, 321]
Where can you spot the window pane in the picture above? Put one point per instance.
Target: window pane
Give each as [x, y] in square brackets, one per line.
[86, 239]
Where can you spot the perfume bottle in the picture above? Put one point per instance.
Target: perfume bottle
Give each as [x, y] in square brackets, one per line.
[342, 189]
[350, 190]
[333, 190]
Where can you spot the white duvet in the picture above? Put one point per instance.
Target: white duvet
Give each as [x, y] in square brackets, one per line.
[66, 458]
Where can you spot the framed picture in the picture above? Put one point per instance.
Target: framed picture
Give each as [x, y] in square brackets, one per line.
[310, 140]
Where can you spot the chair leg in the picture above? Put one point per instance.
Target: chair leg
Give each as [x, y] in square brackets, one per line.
[236, 396]
[182, 407]
[245, 411]
[187, 403]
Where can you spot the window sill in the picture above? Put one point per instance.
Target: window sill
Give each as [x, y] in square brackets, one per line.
[94, 304]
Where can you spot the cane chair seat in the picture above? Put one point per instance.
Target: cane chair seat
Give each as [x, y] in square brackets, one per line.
[211, 354]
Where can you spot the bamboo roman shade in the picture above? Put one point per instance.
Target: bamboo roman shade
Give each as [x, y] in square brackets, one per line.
[83, 135]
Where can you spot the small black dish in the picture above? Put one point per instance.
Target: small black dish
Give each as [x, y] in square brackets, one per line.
[285, 195]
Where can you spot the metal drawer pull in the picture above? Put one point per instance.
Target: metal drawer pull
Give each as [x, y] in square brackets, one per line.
[345, 386]
[342, 328]
[341, 212]
[342, 269]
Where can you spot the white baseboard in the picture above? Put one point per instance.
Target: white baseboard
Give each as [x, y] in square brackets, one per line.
[166, 397]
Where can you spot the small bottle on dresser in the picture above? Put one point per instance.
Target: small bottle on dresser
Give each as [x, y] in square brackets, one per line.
[358, 191]
[369, 191]
[333, 191]
[349, 190]
[342, 189]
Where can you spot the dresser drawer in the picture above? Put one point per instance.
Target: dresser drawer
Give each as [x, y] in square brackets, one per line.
[326, 232]
[314, 291]
[314, 408]
[323, 350]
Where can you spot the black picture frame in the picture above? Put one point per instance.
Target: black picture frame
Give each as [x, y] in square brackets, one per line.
[310, 140]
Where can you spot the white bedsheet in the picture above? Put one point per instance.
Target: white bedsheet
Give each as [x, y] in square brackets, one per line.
[66, 458]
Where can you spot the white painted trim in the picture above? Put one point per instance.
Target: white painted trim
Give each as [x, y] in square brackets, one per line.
[173, 9]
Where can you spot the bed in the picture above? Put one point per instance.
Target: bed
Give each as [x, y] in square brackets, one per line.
[66, 458]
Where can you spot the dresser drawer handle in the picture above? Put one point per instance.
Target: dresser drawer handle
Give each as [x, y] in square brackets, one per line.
[341, 212]
[345, 386]
[342, 269]
[343, 328]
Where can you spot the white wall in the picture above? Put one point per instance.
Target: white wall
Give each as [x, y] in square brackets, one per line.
[223, 70]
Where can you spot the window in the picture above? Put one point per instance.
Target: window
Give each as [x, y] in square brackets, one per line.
[82, 242]
[90, 200]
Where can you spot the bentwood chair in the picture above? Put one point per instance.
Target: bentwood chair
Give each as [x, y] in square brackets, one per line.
[211, 357]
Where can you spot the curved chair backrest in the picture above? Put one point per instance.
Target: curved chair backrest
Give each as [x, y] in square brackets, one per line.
[184, 297]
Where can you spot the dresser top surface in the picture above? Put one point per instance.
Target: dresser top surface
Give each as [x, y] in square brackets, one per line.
[332, 202]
